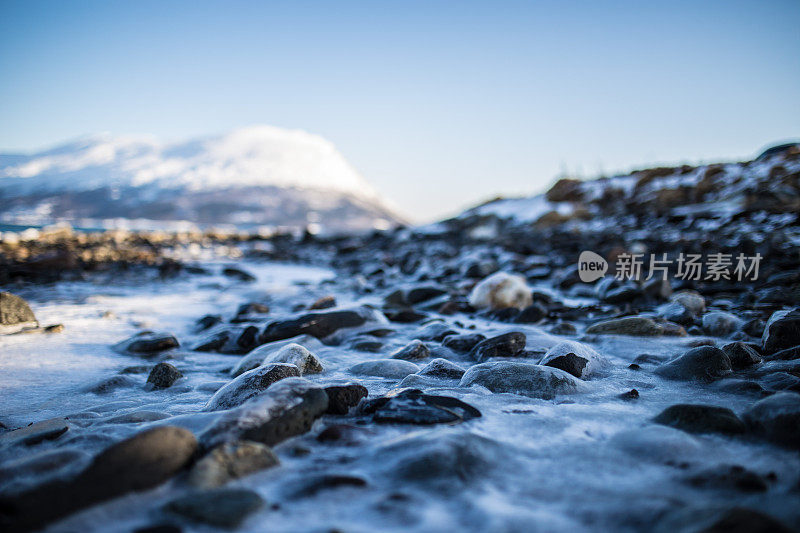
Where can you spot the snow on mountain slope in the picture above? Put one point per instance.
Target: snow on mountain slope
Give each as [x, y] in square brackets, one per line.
[125, 177]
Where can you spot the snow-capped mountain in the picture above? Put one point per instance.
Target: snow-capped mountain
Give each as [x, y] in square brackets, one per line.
[259, 175]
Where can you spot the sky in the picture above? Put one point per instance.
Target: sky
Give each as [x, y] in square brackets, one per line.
[441, 105]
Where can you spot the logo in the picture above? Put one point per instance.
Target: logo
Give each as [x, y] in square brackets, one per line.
[591, 266]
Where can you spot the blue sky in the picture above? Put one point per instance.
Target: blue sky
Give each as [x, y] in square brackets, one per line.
[439, 104]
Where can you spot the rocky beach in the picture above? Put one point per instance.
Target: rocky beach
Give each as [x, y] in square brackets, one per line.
[457, 376]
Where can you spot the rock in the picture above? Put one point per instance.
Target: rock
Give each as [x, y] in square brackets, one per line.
[249, 385]
[462, 343]
[286, 409]
[163, 376]
[701, 419]
[741, 355]
[21, 474]
[230, 461]
[342, 397]
[147, 343]
[657, 443]
[214, 343]
[705, 363]
[414, 295]
[442, 368]
[636, 326]
[632, 394]
[385, 368]
[299, 356]
[207, 322]
[675, 312]
[521, 378]
[263, 353]
[785, 355]
[238, 274]
[111, 384]
[312, 485]
[692, 301]
[531, 314]
[405, 316]
[740, 520]
[435, 331]
[720, 323]
[220, 508]
[782, 330]
[413, 351]
[138, 463]
[575, 358]
[15, 314]
[319, 324]
[777, 418]
[729, 477]
[411, 406]
[505, 345]
[54, 328]
[326, 302]
[501, 290]
[35, 433]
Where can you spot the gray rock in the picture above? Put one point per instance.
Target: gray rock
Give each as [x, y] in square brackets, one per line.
[575, 358]
[636, 326]
[782, 330]
[319, 324]
[342, 397]
[220, 508]
[462, 343]
[777, 418]
[413, 351]
[286, 409]
[505, 345]
[138, 463]
[249, 385]
[147, 343]
[260, 355]
[692, 301]
[701, 419]
[111, 384]
[741, 355]
[442, 368]
[230, 461]
[411, 406]
[526, 379]
[35, 433]
[299, 356]
[721, 323]
[385, 368]
[15, 314]
[705, 363]
[163, 376]
[21, 474]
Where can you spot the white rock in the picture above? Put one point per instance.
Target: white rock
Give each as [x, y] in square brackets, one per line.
[501, 290]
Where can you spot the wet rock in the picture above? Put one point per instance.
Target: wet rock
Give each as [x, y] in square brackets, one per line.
[414, 295]
[505, 345]
[341, 398]
[326, 302]
[411, 406]
[435, 331]
[312, 485]
[299, 356]
[564, 328]
[147, 343]
[319, 324]
[15, 314]
[249, 385]
[657, 443]
[54, 328]
[741, 355]
[782, 330]
[246, 341]
[635, 326]
[163, 376]
[263, 353]
[231, 461]
[720, 323]
[729, 477]
[138, 463]
[575, 358]
[385, 368]
[675, 312]
[413, 351]
[21, 474]
[632, 394]
[208, 321]
[740, 520]
[442, 368]
[692, 301]
[111, 384]
[367, 344]
[705, 363]
[287, 408]
[501, 290]
[214, 343]
[701, 419]
[238, 274]
[521, 378]
[531, 314]
[35, 433]
[220, 508]
[405, 316]
[462, 343]
[777, 418]
[785, 355]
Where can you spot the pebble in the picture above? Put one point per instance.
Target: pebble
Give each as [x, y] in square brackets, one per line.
[163, 376]
[147, 343]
